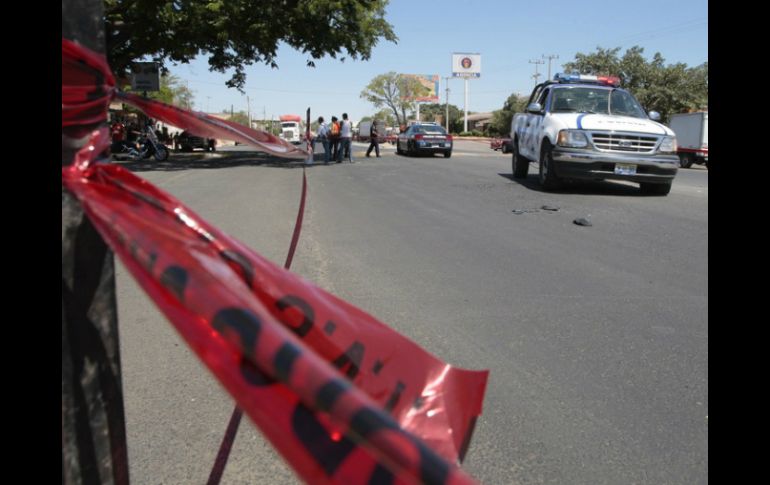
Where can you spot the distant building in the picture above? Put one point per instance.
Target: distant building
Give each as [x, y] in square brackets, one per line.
[479, 121]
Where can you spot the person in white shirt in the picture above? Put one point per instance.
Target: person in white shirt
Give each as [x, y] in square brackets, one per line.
[323, 137]
[346, 137]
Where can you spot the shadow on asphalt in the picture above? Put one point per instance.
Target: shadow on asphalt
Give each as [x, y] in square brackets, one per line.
[204, 160]
[579, 187]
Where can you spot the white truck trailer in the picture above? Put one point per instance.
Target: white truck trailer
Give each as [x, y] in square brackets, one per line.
[291, 128]
[692, 137]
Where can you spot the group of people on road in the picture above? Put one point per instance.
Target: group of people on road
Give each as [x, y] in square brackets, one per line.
[336, 138]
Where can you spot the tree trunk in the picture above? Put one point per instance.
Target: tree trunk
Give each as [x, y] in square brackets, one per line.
[93, 424]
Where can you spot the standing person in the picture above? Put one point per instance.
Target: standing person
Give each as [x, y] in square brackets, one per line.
[334, 138]
[323, 137]
[346, 136]
[118, 130]
[375, 142]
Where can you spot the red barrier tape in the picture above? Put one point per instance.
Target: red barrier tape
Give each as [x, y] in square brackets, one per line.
[277, 343]
[207, 126]
[88, 86]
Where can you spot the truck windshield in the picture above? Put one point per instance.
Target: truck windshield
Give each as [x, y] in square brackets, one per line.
[595, 100]
[291, 124]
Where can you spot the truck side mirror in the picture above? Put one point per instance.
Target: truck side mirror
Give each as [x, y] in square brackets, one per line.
[534, 108]
[654, 115]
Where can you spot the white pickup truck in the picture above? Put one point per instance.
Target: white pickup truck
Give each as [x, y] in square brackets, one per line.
[585, 127]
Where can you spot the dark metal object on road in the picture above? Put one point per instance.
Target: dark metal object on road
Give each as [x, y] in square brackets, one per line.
[582, 221]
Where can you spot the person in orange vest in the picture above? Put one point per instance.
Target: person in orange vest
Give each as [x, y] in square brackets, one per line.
[334, 138]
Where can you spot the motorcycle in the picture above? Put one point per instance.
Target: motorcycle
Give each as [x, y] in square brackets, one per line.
[147, 145]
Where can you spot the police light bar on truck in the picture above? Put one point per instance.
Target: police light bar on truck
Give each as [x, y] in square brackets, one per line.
[587, 78]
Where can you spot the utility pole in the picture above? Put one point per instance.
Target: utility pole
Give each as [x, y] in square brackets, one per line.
[550, 57]
[536, 62]
[465, 120]
[446, 119]
[208, 104]
[248, 110]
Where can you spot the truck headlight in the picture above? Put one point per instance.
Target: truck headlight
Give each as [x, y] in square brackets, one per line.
[572, 139]
[668, 145]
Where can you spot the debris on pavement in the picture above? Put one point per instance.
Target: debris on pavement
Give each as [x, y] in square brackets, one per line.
[582, 221]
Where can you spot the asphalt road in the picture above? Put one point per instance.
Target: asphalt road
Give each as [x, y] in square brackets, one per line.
[596, 337]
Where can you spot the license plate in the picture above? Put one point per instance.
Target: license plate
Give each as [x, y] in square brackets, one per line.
[625, 169]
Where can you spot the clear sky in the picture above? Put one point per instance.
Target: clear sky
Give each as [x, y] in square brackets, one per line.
[506, 33]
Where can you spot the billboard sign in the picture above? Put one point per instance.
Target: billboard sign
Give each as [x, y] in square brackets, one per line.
[466, 65]
[431, 83]
[145, 76]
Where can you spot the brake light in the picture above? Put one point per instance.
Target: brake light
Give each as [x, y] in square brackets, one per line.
[418, 137]
[449, 138]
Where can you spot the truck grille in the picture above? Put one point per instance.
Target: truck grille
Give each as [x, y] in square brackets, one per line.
[624, 142]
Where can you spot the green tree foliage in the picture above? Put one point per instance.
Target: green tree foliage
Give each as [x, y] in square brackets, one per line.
[395, 92]
[501, 119]
[668, 89]
[435, 111]
[386, 116]
[240, 117]
[238, 33]
[172, 91]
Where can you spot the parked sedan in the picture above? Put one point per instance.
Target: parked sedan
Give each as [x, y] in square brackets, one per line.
[503, 144]
[424, 138]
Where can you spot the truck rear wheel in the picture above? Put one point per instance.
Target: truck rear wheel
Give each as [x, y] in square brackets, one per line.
[686, 160]
[548, 179]
[519, 164]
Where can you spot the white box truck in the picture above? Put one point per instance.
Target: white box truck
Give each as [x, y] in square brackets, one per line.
[692, 137]
[364, 130]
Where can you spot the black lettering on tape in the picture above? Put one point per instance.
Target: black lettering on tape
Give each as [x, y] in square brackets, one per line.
[433, 470]
[175, 279]
[381, 476]
[328, 394]
[151, 261]
[351, 359]
[395, 396]
[327, 452]
[247, 326]
[308, 315]
[367, 421]
[284, 361]
[240, 264]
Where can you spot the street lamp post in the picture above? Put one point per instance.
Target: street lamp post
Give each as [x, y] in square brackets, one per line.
[446, 119]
